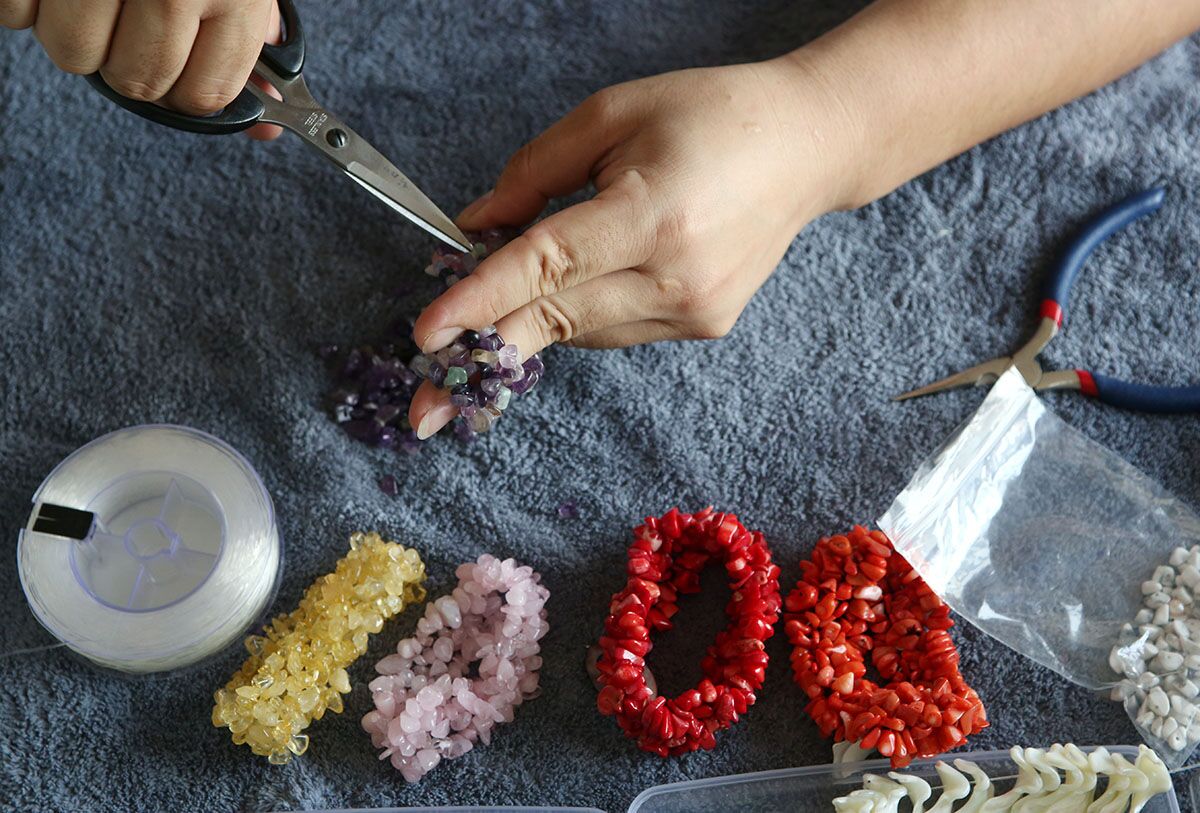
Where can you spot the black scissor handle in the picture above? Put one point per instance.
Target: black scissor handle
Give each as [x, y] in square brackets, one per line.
[286, 59]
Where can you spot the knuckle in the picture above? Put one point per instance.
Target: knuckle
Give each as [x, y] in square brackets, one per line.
[522, 162]
[555, 259]
[602, 105]
[695, 299]
[73, 62]
[177, 8]
[17, 14]
[557, 325]
[69, 48]
[138, 89]
[683, 227]
[712, 328]
[207, 98]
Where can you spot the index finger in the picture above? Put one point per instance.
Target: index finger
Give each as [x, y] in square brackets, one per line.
[612, 231]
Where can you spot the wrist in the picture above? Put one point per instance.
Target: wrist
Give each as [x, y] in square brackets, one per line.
[827, 116]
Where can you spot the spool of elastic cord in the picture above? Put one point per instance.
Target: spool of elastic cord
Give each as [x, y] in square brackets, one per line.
[150, 549]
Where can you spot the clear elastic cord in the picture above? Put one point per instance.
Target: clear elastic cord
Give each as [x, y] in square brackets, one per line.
[182, 555]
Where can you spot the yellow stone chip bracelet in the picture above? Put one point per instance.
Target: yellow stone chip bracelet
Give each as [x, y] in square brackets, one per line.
[297, 670]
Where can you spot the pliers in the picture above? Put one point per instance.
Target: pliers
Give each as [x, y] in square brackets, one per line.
[1113, 391]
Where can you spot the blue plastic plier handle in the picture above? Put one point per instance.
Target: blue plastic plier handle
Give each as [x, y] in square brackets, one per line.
[1109, 390]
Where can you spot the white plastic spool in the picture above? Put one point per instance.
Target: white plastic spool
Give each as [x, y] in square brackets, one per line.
[150, 549]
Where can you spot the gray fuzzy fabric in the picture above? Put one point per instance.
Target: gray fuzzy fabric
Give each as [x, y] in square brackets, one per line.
[154, 276]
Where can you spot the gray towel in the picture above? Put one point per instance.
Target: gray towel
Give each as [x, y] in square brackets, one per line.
[153, 276]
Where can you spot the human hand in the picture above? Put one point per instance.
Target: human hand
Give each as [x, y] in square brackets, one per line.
[704, 177]
[190, 55]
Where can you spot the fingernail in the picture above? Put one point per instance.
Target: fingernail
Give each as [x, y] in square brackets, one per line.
[440, 338]
[435, 419]
[476, 207]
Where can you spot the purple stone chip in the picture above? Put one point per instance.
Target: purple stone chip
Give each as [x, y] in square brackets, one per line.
[387, 484]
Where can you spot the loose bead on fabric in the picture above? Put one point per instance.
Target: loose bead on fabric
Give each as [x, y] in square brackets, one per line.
[297, 670]
[857, 596]
[474, 658]
[665, 561]
[374, 389]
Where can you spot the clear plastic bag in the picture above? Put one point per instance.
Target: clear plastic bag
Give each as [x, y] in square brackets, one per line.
[1043, 538]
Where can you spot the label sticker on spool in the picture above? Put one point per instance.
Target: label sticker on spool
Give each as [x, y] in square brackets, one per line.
[150, 549]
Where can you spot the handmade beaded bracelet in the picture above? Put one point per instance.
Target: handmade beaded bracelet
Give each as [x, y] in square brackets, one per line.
[665, 560]
[297, 671]
[428, 706]
[857, 596]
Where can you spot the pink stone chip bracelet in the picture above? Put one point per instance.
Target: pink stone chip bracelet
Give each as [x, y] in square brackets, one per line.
[473, 660]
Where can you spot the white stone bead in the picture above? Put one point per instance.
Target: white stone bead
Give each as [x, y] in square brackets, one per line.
[1164, 575]
[1162, 615]
[1177, 740]
[1149, 588]
[1143, 617]
[1115, 661]
[1157, 600]
[1158, 703]
[1165, 662]
[1178, 557]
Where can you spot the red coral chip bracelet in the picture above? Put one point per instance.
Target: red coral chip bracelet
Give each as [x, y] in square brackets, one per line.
[665, 561]
[857, 596]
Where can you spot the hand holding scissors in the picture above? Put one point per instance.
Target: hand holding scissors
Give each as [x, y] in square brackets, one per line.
[280, 66]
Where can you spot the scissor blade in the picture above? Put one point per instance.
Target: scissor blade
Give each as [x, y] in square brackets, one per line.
[984, 373]
[402, 195]
[357, 158]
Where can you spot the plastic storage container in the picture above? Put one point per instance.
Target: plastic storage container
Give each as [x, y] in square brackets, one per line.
[813, 789]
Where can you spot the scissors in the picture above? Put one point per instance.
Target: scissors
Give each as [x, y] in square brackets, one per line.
[1108, 390]
[280, 66]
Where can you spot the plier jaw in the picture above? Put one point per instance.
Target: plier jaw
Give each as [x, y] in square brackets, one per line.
[985, 374]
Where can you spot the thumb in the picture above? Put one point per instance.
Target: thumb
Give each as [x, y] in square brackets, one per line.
[556, 163]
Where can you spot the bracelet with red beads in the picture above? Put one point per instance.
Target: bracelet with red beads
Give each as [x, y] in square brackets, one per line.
[665, 561]
[855, 597]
